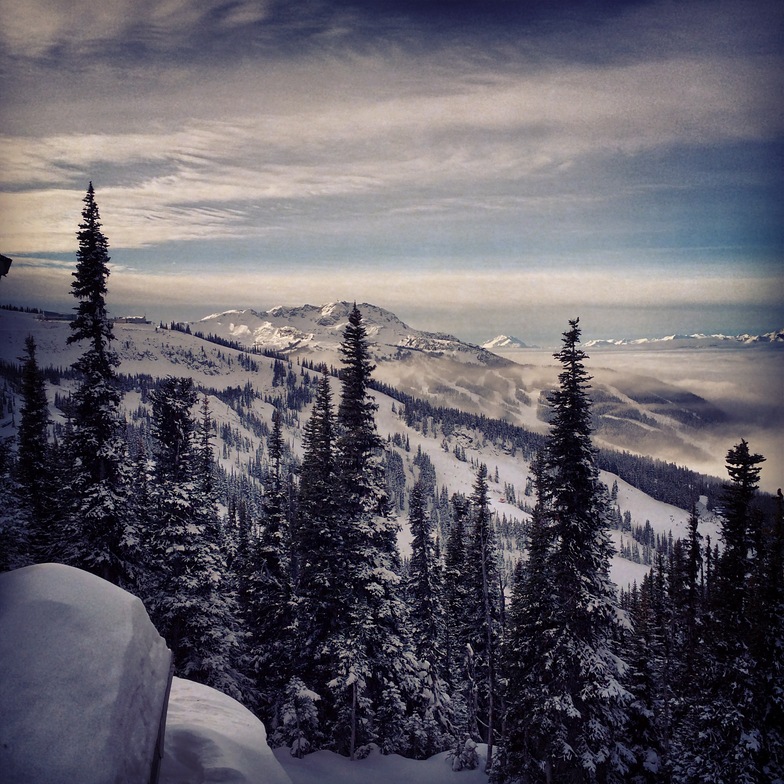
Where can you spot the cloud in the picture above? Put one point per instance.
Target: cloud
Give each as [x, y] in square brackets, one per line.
[224, 284]
[506, 139]
[37, 27]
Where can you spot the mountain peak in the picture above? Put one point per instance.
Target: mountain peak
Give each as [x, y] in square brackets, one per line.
[504, 341]
[319, 328]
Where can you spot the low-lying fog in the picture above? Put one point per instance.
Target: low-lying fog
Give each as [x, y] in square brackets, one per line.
[745, 383]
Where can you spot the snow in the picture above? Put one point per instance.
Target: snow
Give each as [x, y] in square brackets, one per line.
[504, 341]
[325, 767]
[83, 679]
[212, 738]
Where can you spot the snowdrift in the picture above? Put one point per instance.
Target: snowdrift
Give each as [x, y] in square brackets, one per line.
[83, 679]
[212, 738]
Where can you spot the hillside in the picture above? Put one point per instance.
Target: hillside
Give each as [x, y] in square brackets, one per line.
[633, 411]
[242, 388]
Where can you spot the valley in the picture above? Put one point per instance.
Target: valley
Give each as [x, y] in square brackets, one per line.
[679, 406]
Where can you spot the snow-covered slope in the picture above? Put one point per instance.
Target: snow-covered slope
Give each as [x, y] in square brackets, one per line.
[211, 737]
[635, 410]
[319, 329]
[504, 341]
[511, 391]
[326, 767]
[697, 340]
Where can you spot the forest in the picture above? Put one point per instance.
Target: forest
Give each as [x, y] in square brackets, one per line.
[290, 594]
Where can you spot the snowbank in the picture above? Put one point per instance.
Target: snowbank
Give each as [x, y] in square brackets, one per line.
[83, 679]
[212, 738]
[326, 767]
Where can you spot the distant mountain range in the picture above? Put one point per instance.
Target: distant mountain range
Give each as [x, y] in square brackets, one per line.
[634, 409]
[697, 340]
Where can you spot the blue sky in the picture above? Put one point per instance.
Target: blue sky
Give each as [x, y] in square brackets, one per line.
[476, 167]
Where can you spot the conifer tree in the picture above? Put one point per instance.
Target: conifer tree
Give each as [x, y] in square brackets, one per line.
[530, 624]
[32, 442]
[484, 608]
[14, 546]
[104, 540]
[431, 728]
[424, 589]
[577, 703]
[268, 619]
[187, 598]
[455, 589]
[320, 588]
[375, 669]
[33, 462]
[730, 708]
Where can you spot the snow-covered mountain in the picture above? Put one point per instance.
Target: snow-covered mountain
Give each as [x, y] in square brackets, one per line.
[318, 330]
[505, 341]
[636, 407]
[454, 450]
[697, 340]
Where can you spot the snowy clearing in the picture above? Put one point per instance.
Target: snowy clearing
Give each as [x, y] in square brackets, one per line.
[325, 767]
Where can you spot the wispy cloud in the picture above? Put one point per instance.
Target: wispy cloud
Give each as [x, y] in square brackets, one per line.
[323, 135]
[36, 27]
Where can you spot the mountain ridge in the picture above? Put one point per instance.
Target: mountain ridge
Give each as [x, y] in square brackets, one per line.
[319, 329]
[775, 337]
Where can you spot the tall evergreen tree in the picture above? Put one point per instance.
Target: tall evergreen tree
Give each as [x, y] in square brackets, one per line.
[431, 727]
[33, 462]
[319, 576]
[731, 707]
[455, 590]
[484, 609]
[104, 539]
[375, 669]
[269, 621]
[424, 585]
[187, 597]
[530, 627]
[14, 547]
[32, 441]
[577, 702]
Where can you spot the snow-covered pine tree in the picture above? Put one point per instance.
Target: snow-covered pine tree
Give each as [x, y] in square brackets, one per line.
[650, 709]
[321, 599]
[33, 468]
[724, 736]
[484, 609]
[187, 596]
[459, 673]
[268, 617]
[457, 624]
[530, 625]
[577, 703]
[432, 726]
[376, 670]
[32, 437]
[14, 548]
[102, 537]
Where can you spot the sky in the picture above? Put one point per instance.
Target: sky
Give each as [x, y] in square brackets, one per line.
[484, 167]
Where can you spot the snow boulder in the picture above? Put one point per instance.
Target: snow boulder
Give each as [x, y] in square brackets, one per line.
[212, 738]
[84, 679]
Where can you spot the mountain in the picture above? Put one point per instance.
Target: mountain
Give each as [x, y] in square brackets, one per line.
[318, 330]
[637, 407]
[505, 341]
[244, 389]
[698, 340]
